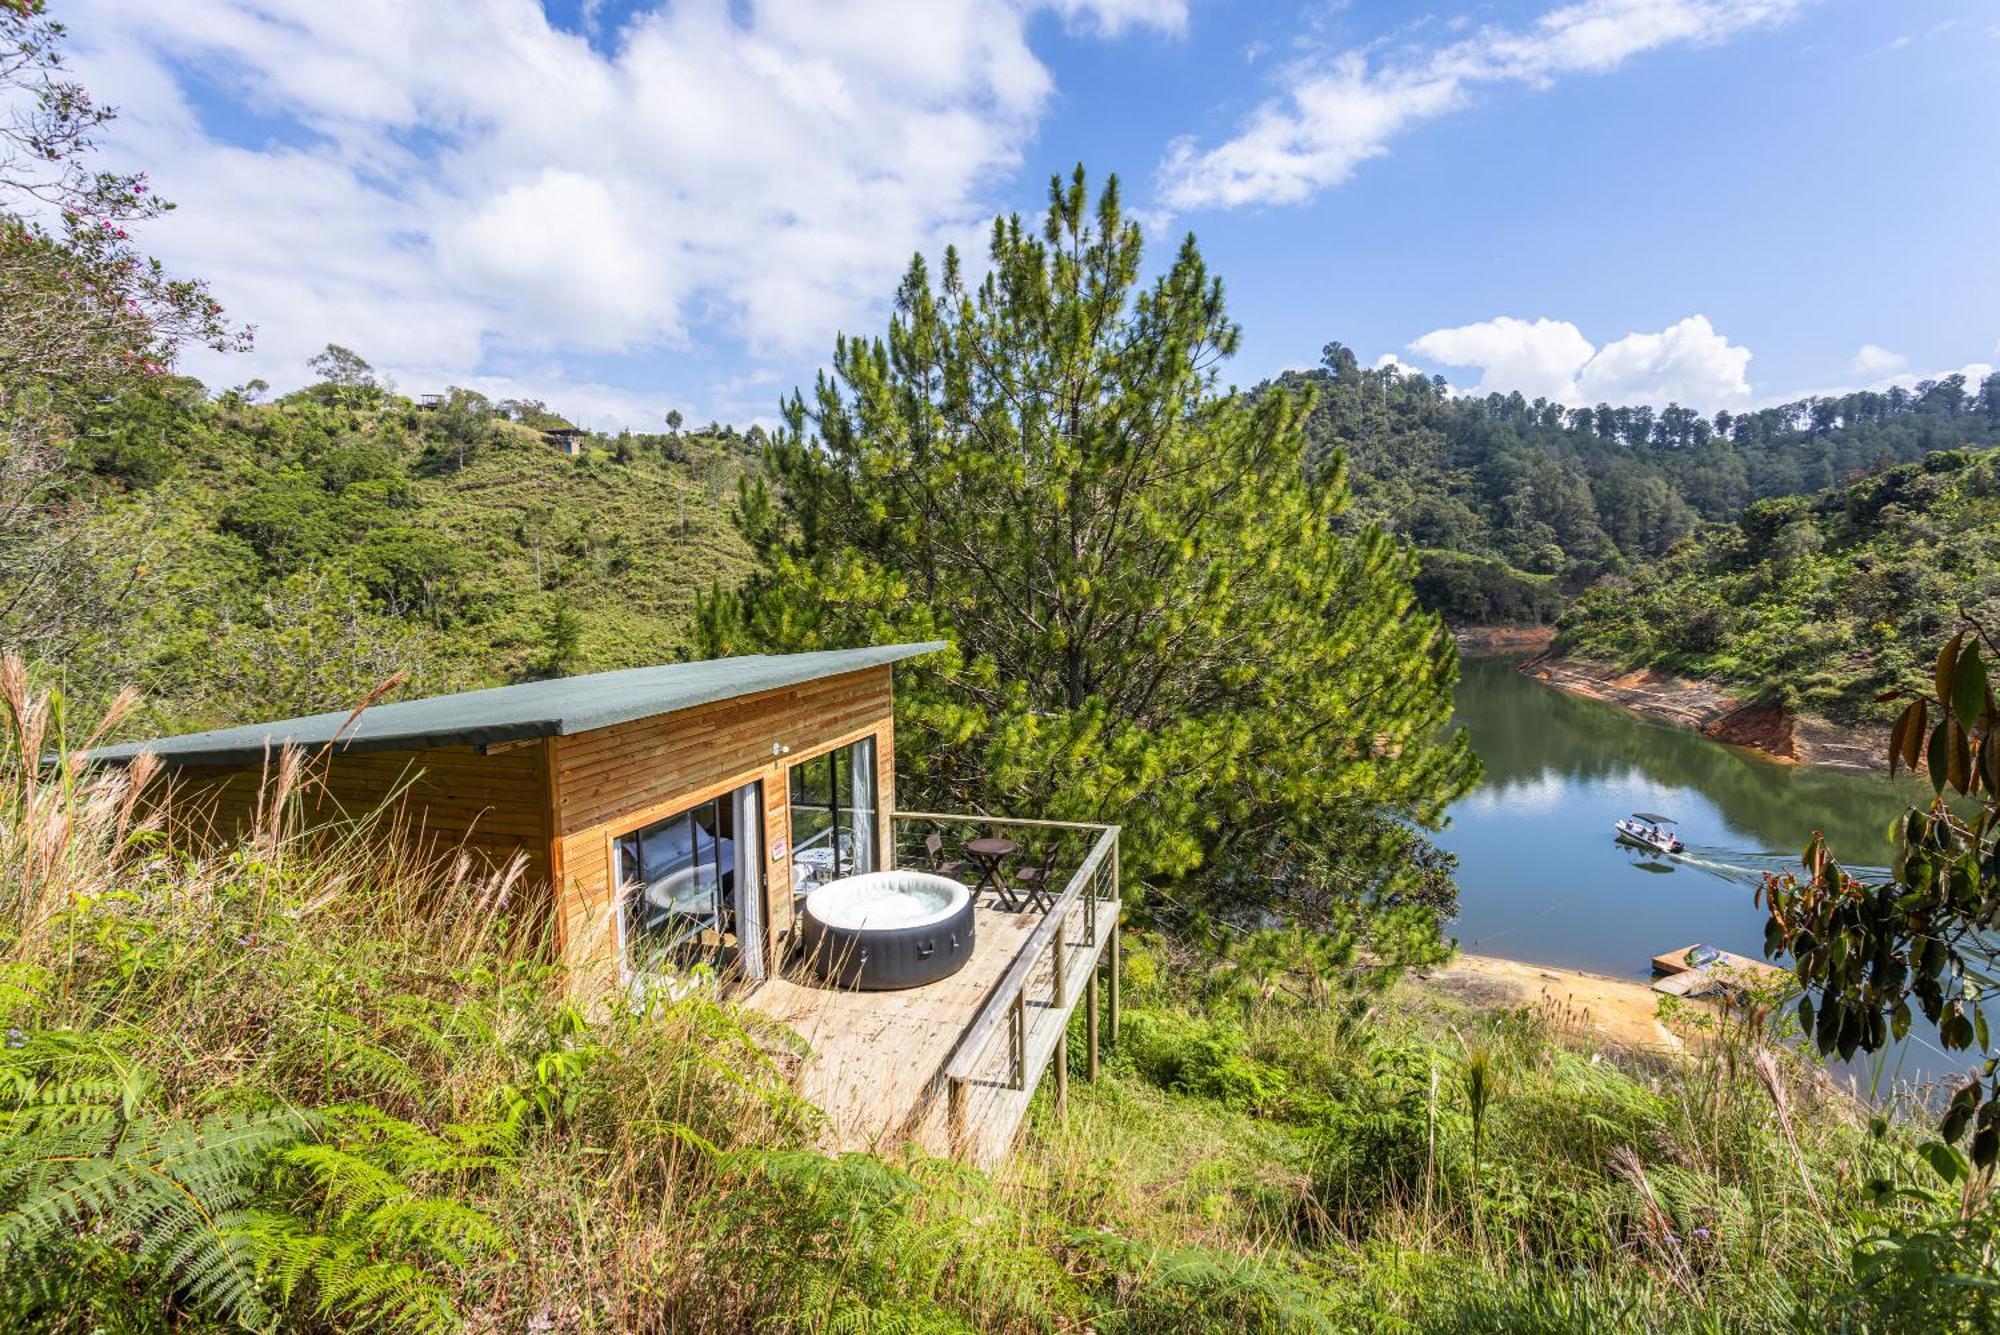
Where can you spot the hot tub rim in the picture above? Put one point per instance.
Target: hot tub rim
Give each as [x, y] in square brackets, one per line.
[957, 893]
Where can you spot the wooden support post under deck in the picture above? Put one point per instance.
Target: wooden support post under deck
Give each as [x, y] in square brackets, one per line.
[1114, 979]
[1017, 1037]
[954, 1115]
[1060, 1059]
[1117, 913]
[1059, 956]
[1090, 1006]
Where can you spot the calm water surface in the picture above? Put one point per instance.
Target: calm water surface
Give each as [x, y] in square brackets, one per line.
[1541, 879]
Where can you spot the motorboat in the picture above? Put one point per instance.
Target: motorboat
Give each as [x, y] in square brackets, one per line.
[1648, 830]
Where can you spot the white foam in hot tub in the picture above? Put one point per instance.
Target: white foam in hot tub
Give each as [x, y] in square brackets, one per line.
[881, 899]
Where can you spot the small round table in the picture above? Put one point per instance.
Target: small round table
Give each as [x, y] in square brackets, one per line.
[990, 856]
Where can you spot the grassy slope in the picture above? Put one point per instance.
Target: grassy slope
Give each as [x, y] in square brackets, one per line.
[233, 619]
[630, 544]
[276, 1088]
[1820, 601]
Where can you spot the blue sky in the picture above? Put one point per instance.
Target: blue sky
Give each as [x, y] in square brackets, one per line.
[621, 208]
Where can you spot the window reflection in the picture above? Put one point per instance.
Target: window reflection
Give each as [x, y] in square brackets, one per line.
[833, 815]
[678, 883]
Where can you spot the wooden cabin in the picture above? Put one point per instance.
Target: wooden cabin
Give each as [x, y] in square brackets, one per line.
[674, 816]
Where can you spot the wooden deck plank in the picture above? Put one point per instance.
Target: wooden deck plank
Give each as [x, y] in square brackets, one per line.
[875, 1057]
[1742, 966]
[1687, 983]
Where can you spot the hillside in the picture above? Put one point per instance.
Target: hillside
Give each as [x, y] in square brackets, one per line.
[275, 1090]
[1515, 504]
[270, 559]
[1818, 602]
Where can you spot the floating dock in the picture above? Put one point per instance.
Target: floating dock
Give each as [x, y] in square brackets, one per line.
[1678, 978]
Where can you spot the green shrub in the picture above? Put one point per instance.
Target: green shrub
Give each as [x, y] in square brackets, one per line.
[1190, 1056]
[1149, 1290]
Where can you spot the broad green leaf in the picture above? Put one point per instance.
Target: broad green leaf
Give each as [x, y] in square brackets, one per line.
[1945, 1161]
[1904, 736]
[1968, 687]
[1939, 755]
[1958, 760]
[1947, 666]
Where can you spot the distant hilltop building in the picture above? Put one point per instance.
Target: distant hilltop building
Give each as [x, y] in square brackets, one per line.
[569, 439]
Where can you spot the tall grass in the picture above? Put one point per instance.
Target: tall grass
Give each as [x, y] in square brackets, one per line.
[308, 1080]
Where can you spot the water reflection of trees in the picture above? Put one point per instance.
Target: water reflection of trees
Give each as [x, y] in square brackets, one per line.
[1528, 733]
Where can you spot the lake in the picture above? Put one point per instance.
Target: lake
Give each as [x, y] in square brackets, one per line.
[1541, 879]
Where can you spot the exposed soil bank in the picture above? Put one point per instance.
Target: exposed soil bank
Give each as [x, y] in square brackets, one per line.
[1504, 639]
[1615, 1010]
[1707, 709]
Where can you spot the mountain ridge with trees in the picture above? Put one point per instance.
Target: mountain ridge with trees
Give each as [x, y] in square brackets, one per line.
[1518, 505]
[1820, 602]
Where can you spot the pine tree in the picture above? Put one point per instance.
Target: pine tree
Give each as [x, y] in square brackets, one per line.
[1153, 618]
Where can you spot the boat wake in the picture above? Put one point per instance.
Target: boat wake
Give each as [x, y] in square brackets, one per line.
[1747, 868]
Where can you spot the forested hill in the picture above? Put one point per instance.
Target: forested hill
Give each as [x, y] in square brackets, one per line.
[259, 560]
[1816, 601]
[254, 560]
[1516, 503]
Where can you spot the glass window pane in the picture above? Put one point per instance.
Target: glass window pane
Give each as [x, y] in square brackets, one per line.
[670, 881]
[858, 802]
[812, 781]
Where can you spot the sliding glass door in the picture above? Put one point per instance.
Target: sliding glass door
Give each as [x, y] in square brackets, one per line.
[833, 815]
[691, 886]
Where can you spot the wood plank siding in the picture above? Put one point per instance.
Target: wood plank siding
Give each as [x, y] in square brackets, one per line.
[494, 806]
[619, 779]
[563, 801]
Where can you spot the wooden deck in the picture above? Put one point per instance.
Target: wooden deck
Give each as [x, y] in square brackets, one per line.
[952, 1066]
[877, 1058]
[1680, 979]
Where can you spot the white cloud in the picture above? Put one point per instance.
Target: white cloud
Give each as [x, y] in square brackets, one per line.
[1113, 17]
[1874, 360]
[1688, 362]
[457, 188]
[1539, 358]
[1975, 373]
[1339, 111]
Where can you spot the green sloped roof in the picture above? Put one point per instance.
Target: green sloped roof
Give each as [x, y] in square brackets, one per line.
[558, 708]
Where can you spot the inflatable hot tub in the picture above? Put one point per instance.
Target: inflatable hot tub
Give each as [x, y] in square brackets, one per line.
[888, 929]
